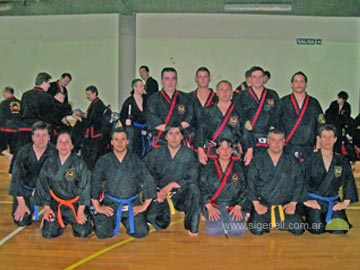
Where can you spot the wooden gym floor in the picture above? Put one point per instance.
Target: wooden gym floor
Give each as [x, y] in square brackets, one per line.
[24, 248]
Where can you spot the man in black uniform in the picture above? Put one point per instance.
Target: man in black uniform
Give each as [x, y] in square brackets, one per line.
[300, 117]
[10, 121]
[175, 171]
[168, 105]
[93, 142]
[201, 98]
[327, 171]
[223, 188]
[258, 105]
[339, 115]
[25, 171]
[63, 188]
[275, 187]
[151, 85]
[122, 176]
[222, 120]
[60, 86]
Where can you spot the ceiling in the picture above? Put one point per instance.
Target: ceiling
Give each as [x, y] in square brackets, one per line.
[333, 8]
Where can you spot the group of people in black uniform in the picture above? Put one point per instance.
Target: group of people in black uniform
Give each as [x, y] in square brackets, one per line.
[242, 159]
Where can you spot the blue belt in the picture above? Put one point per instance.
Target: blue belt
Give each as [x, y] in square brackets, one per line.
[119, 210]
[36, 208]
[142, 127]
[329, 200]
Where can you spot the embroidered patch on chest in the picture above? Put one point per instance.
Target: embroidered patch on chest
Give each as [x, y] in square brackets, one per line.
[338, 171]
[235, 178]
[181, 109]
[233, 120]
[70, 174]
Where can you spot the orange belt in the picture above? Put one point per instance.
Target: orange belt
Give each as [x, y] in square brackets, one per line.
[68, 203]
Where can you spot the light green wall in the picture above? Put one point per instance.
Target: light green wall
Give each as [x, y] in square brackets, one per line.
[84, 45]
[229, 44]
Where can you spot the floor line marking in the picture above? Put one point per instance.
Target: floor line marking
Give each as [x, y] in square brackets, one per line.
[109, 248]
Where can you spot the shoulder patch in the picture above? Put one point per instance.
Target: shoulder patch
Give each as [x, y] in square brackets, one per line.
[321, 119]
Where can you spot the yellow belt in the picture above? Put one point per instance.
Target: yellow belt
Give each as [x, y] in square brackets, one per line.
[171, 203]
[273, 216]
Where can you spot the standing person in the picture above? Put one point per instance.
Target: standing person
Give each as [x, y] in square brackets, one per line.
[10, 121]
[125, 177]
[223, 188]
[175, 171]
[202, 97]
[151, 85]
[63, 188]
[223, 121]
[168, 105]
[60, 86]
[259, 105]
[267, 76]
[275, 187]
[327, 171]
[133, 117]
[300, 116]
[93, 144]
[25, 172]
[339, 115]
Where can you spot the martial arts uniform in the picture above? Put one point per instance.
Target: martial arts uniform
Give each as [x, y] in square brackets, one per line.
[327, 184]
[123, 183]
[151, 86]
[182, 169]
[198, 110]
[300, 125]
[161, 109]
[262, 113]
[342, 120]
[25, 171]
[242, 87]
[93, 143]
[233, 193]
[10, 121]
[214, 126]
[36, 105]
[61, 110]
[55, 88]
[64, 187]
[139, 137]
[275, 186]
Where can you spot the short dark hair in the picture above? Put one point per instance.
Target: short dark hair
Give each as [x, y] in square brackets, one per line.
[257, 68]
[327, 127]
[267, 73]
[343, 95]
[276, 131]
[218, 143]
[248, 73]
[200, 69]
[301, 74]
[119, 130]
[145, 67]
[62, 133]
[174, 125]
[40, 125]
[168, 69]
[92, 89]
[66, 75]
[9, 89]
[42, 77]
[223, 81]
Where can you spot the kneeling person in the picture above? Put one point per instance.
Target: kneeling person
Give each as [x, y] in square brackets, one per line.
[223, 189]
[327, 171]
[125, 176]
[275, 187]
[175, 171]
[63, 188]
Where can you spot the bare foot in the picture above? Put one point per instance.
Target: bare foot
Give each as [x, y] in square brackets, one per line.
[191, 234]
